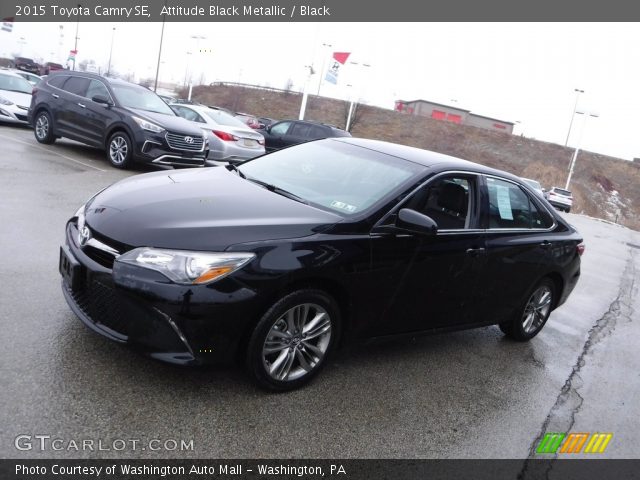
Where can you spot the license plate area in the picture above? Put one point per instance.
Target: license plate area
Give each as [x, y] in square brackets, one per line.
[248, 142]
[70, 269]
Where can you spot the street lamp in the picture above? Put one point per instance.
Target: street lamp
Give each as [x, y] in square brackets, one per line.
[573, 113]
[113, 34]
[353, 104]
[575, 153]
[75, 48]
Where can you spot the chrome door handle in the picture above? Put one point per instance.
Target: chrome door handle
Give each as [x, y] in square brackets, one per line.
[55, 95]
[82, 105]
[475, 251]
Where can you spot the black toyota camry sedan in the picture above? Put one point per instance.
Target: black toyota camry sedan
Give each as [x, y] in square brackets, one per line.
[277, 262]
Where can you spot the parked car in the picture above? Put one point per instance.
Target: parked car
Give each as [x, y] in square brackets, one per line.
[167, 99]
[248, 119]
[560, 198]
[535, 185]
[291, 132]
[29, 77]
[27, 65]
[15, 96]
[130, 122]
[266, 121]
[280, 259]
[50, 67]
[230, 140]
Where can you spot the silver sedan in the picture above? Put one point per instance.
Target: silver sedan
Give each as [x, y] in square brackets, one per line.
[230, 140]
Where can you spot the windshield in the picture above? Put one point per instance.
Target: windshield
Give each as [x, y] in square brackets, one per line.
[340, 177]
[223, 118]
[15, 84]
[140, 98]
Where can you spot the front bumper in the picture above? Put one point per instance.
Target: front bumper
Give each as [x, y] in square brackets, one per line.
[13, 114]
[153, 148]
[186, 325]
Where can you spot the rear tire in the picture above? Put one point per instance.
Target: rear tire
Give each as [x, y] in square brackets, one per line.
[120, 150]
[291, 342]
[43, 128]
[533, 315]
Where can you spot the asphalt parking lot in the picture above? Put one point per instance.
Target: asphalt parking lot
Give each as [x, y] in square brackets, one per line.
[470, 394]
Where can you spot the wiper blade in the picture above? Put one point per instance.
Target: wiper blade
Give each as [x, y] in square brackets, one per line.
[278, 190]
[231, 166]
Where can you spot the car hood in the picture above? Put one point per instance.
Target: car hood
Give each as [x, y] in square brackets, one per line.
[199, 209]
[19, 98]
[172, 123]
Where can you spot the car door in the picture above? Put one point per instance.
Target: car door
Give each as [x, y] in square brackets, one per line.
[55, 99]
[430, 280]
[71, 114]
[298, 133]
[274, 138]
[518, 247]
[96, 116]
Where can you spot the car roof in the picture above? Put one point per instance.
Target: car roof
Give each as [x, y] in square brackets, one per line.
[10, 72]
[111, 81]
[423, 157]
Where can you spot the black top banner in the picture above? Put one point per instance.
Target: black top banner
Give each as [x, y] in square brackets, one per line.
[315, 10]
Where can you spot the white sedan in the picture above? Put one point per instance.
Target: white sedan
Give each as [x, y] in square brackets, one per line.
[230, 140]
[15, 97]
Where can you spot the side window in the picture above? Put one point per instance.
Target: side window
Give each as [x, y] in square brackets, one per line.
[447, 201]
[300, 130]
[280, 128]
[511, 207]
[76, 85]
[57, 81]
[540, 218]
[316, 132]
[97, 88]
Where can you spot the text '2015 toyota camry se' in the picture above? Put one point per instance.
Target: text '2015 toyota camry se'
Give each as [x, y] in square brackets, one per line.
[277, 261]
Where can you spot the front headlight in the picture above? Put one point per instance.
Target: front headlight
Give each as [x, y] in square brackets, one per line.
[146, 125]
[80, 216]
[186, 267]
[4, 101]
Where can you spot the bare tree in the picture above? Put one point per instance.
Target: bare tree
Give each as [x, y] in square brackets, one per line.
[288, 86]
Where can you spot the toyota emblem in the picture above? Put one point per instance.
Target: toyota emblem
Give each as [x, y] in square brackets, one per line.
[84, 235]
[188, 139]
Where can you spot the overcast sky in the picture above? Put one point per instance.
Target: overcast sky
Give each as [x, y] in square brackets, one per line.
[520, 72]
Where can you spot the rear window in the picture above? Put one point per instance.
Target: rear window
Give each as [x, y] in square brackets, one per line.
[560, 191]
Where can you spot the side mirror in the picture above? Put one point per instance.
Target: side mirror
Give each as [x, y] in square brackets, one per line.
[416, 222]
[101, 100]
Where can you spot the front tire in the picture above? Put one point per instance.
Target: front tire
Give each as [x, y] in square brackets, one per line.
[120, 150]
[43, 129]
[533, 315]
[293, 339]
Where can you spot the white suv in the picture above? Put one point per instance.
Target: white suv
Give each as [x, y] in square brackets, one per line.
[560, 198]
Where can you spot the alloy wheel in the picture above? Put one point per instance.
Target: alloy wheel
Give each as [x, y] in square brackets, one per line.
[42, 127]
[537, 309]
[118, 150]
[297, 342]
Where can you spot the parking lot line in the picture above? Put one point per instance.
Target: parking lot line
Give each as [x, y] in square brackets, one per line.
[53, 152]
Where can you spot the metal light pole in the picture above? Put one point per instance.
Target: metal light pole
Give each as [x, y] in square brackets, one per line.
[155, 85]
[573, 113]
[353, 104]
[324, 64]
[113, 34]
[305, 92]
[575, 153]
[75, 48]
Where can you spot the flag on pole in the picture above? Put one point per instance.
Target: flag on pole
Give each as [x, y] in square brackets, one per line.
[339, 59]
[72, 55]
[7, 24]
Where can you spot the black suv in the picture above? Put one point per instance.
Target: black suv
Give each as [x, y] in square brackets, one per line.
[26, 65]
[131, 122]
[291, 132]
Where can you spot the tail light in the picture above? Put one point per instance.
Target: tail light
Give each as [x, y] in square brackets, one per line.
[580, 248]
[261, 142]
[227, 137]
[34, 90]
